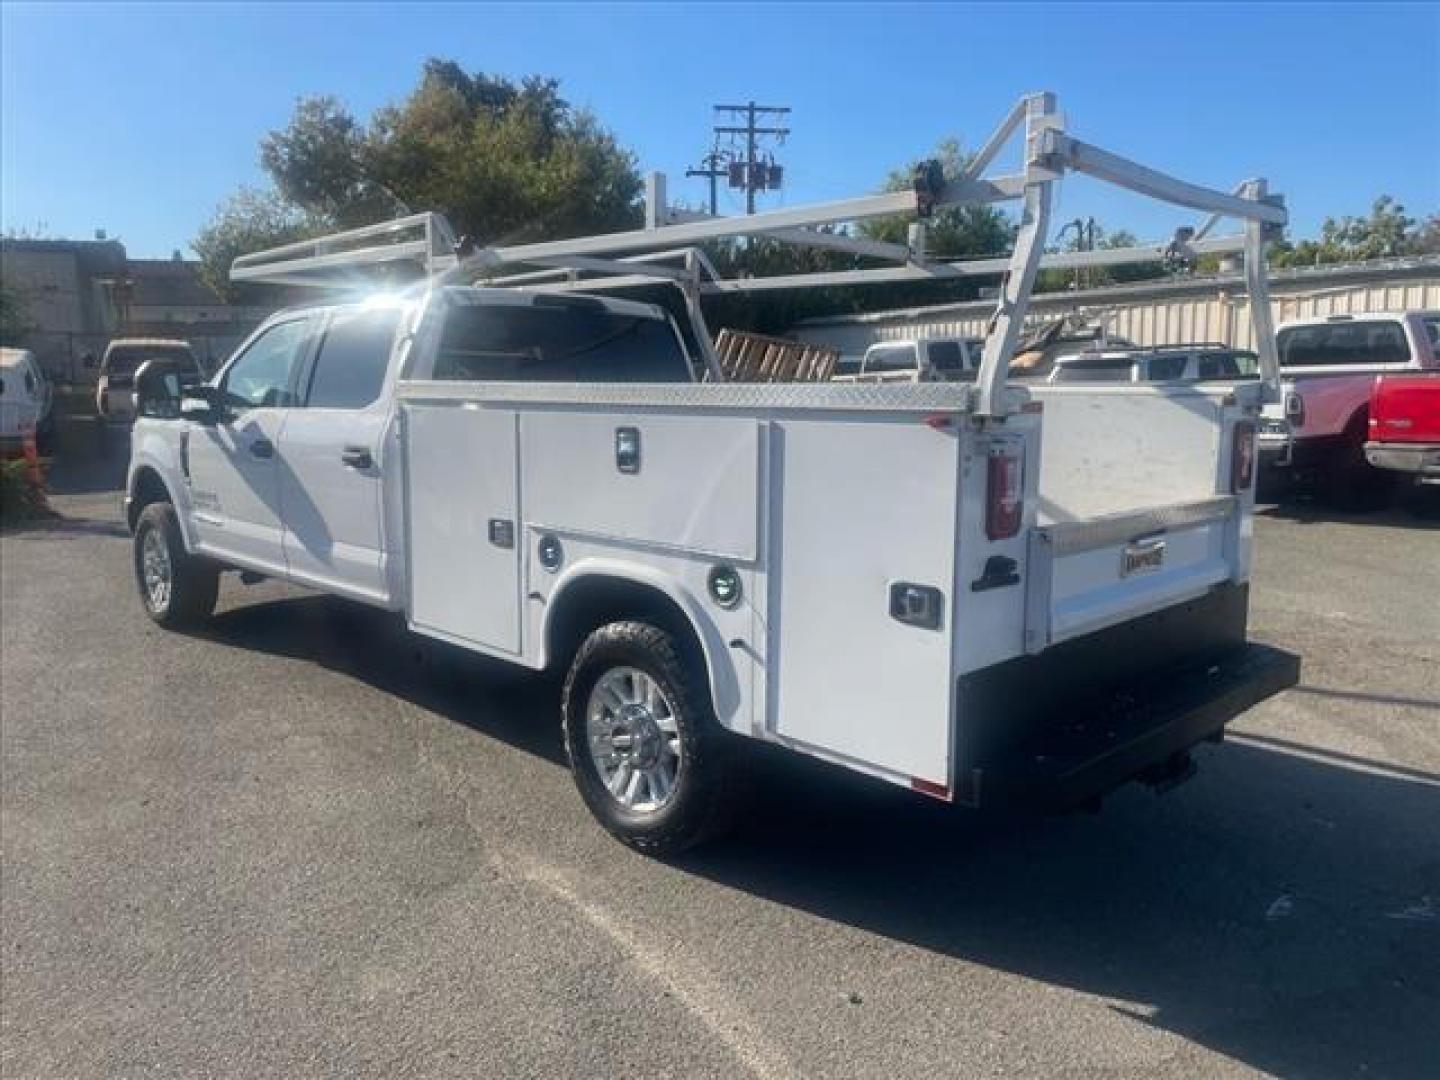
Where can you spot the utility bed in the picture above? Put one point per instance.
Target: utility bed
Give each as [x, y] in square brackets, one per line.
[828, 500]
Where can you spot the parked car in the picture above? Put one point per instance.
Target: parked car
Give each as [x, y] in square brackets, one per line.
[1165, 363]
[1405, 425]
[1318, 430]
[923, 359]
[26, 402]
[115, 389]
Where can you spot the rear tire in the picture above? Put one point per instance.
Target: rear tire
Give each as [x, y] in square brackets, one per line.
[177, 589]
[1354, 484]
[647, 753]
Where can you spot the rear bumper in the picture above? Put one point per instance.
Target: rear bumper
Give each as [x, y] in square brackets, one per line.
[1423, 459]
[1065, 726]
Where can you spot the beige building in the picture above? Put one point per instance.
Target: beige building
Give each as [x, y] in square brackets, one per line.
[1212, 308]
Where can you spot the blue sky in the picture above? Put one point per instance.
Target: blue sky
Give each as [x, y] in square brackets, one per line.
[141, 119]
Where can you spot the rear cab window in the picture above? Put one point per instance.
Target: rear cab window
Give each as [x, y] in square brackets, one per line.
[558, 339]
[1344, 342]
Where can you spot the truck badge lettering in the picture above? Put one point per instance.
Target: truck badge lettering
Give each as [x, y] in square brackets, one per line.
[1142, 556]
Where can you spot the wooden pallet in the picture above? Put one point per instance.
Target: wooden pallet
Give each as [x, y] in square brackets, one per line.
[747, 357]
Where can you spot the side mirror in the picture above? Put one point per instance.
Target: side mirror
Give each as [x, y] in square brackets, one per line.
[203, 403]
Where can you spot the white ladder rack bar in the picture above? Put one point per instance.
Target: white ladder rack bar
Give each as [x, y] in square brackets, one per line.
[1122, 172]
[299, 263]
[895, 203]
[635, 275]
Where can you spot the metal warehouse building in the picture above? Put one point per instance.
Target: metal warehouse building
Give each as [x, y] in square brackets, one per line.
[1162, 312]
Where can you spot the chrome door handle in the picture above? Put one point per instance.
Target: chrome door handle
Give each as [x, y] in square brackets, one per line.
[357, 457]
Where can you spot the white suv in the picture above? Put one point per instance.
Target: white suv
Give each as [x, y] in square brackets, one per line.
[1162, 363]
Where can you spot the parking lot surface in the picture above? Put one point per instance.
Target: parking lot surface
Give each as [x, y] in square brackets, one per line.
[306, 843]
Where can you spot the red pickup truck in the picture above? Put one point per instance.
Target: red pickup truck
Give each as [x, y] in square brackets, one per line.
[1405, 425]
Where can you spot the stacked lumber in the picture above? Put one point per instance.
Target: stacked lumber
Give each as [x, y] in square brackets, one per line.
[746, 357]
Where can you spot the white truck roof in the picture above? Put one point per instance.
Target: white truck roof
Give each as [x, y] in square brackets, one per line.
[1348, 316]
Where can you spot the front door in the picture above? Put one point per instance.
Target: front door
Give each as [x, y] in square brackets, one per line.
[232, 465]
[332, 458]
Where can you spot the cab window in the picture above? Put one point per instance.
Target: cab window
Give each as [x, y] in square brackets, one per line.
[891, 358]
[947, 359]
[1168, 368]
[350, 365]
[263, 376]
[1343, 342]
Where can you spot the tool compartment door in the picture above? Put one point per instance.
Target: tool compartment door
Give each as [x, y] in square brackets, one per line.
[462, 495]
[860, 508]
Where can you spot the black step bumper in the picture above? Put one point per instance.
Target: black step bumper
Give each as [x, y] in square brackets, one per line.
[1062, 728]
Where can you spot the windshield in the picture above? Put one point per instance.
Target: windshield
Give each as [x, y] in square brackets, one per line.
[124, 359]
[558, 340]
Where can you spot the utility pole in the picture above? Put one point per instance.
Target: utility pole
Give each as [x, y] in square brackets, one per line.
[714, 168]
[750, 172]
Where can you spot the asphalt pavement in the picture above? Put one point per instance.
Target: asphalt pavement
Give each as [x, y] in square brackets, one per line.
[306, 843]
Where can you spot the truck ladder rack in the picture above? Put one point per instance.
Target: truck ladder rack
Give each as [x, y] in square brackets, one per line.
[642, 256]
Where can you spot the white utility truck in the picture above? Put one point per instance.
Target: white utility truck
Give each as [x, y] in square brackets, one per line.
[980, 591]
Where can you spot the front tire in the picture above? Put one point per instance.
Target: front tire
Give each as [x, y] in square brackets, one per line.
[177, 589]
[646, 751]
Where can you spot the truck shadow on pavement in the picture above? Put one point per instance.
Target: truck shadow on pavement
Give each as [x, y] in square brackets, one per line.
[1282, 910]
[1409, 508]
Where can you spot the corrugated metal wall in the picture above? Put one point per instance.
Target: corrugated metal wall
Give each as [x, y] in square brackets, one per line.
[1221, 314]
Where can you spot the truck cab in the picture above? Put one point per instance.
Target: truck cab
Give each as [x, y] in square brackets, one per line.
[277, 461]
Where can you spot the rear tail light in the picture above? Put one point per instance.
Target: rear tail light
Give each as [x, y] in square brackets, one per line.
[1242, 456]
[1005, 488]
[1295, 409]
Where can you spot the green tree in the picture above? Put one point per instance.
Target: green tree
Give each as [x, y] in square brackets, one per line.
[504, 161]
[1386, 232]
[249, 220]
